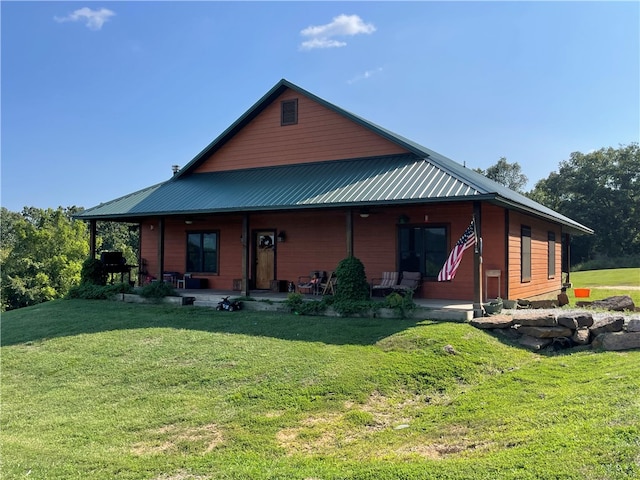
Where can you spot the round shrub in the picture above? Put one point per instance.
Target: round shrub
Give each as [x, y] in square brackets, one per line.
[352, 281]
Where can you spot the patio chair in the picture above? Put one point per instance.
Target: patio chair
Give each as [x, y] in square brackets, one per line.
[182, 282]
[385, 284]
[311, 283]
[329, 287]
[410, 282]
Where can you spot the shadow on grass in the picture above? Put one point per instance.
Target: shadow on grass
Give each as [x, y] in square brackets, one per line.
[63, 318]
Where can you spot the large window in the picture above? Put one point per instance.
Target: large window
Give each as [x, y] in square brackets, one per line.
[202, 252]
[525, 254]
[422, 249]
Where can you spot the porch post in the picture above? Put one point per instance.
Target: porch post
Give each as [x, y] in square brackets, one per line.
[477, 263]
[245, 255]
[92, 238]
[160, 276]
[349, 232]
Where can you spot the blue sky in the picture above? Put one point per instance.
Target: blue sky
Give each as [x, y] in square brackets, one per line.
[99, 99]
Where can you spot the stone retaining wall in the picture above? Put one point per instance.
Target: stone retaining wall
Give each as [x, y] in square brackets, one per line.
[537, 330]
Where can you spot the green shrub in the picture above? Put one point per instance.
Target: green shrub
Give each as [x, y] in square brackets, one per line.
[400, 303]
[297, 304]
[348, 308]
[352, 281]
[93, 272]
[158, 290]
[90, 291]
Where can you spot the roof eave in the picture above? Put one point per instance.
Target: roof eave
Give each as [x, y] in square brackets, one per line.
[570, 225]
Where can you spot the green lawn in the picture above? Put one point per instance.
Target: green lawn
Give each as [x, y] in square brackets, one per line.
[622, 279]
[105, 390]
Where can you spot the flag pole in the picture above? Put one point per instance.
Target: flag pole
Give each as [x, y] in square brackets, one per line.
[477, 262]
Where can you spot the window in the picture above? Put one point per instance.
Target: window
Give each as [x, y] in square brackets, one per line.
[525, 254]
[202, 252]
[289, 112]
[551, 243]
[422, 249]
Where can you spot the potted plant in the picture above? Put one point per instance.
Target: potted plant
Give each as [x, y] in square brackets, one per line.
[493, 307]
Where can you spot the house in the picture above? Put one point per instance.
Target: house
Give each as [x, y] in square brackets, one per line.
[297, 184]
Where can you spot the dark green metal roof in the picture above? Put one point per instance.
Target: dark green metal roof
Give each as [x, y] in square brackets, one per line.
[417, 177]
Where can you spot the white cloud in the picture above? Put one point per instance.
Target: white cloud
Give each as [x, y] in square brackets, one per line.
[321, 36]
[364, 76]
[94, 19]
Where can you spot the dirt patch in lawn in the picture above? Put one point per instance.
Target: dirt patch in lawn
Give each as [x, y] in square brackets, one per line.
[177, 438]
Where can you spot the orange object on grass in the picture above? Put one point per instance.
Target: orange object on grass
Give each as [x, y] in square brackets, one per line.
[582, 292]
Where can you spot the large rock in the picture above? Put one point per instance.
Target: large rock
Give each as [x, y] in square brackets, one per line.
[575, 320]
[607, 324]
[617, 304]
[581, 336]
[494, 321]
[617, 341]
[532, 319]
[546, 332]
[633, 325]
[544, 304]
[533, 343]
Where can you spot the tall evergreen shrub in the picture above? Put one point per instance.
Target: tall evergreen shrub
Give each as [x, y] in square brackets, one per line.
[352, 281]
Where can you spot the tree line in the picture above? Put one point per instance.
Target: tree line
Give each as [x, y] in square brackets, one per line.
[42, 250]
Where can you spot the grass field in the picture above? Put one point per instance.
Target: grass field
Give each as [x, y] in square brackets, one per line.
[620, 281]
[105, 390]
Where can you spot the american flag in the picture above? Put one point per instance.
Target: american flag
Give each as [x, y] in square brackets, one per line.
[450, 267]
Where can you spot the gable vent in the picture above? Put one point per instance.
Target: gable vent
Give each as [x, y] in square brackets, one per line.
[289, 112]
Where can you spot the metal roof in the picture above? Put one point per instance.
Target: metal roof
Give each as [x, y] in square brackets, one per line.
[419, 176]
[388, 179]
[368, 181]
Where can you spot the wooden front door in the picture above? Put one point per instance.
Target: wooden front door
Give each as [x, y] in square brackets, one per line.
[265, 258]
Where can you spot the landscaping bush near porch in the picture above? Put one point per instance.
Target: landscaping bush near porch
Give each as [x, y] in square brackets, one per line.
[106, 390]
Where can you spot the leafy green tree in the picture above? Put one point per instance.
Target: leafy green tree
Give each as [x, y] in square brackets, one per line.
[508, 174]
[42, 253]
[119, 237]
[601, 190]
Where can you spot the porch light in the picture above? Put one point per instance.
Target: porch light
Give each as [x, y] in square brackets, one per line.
[282, 237]
[188, 222]
[364, 213]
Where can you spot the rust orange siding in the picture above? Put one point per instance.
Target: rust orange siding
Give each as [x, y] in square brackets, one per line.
[317, 240]
[493, 251]
[319, 135]
[540, 283]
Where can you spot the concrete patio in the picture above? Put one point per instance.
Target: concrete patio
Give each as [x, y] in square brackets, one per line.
[435, 309]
